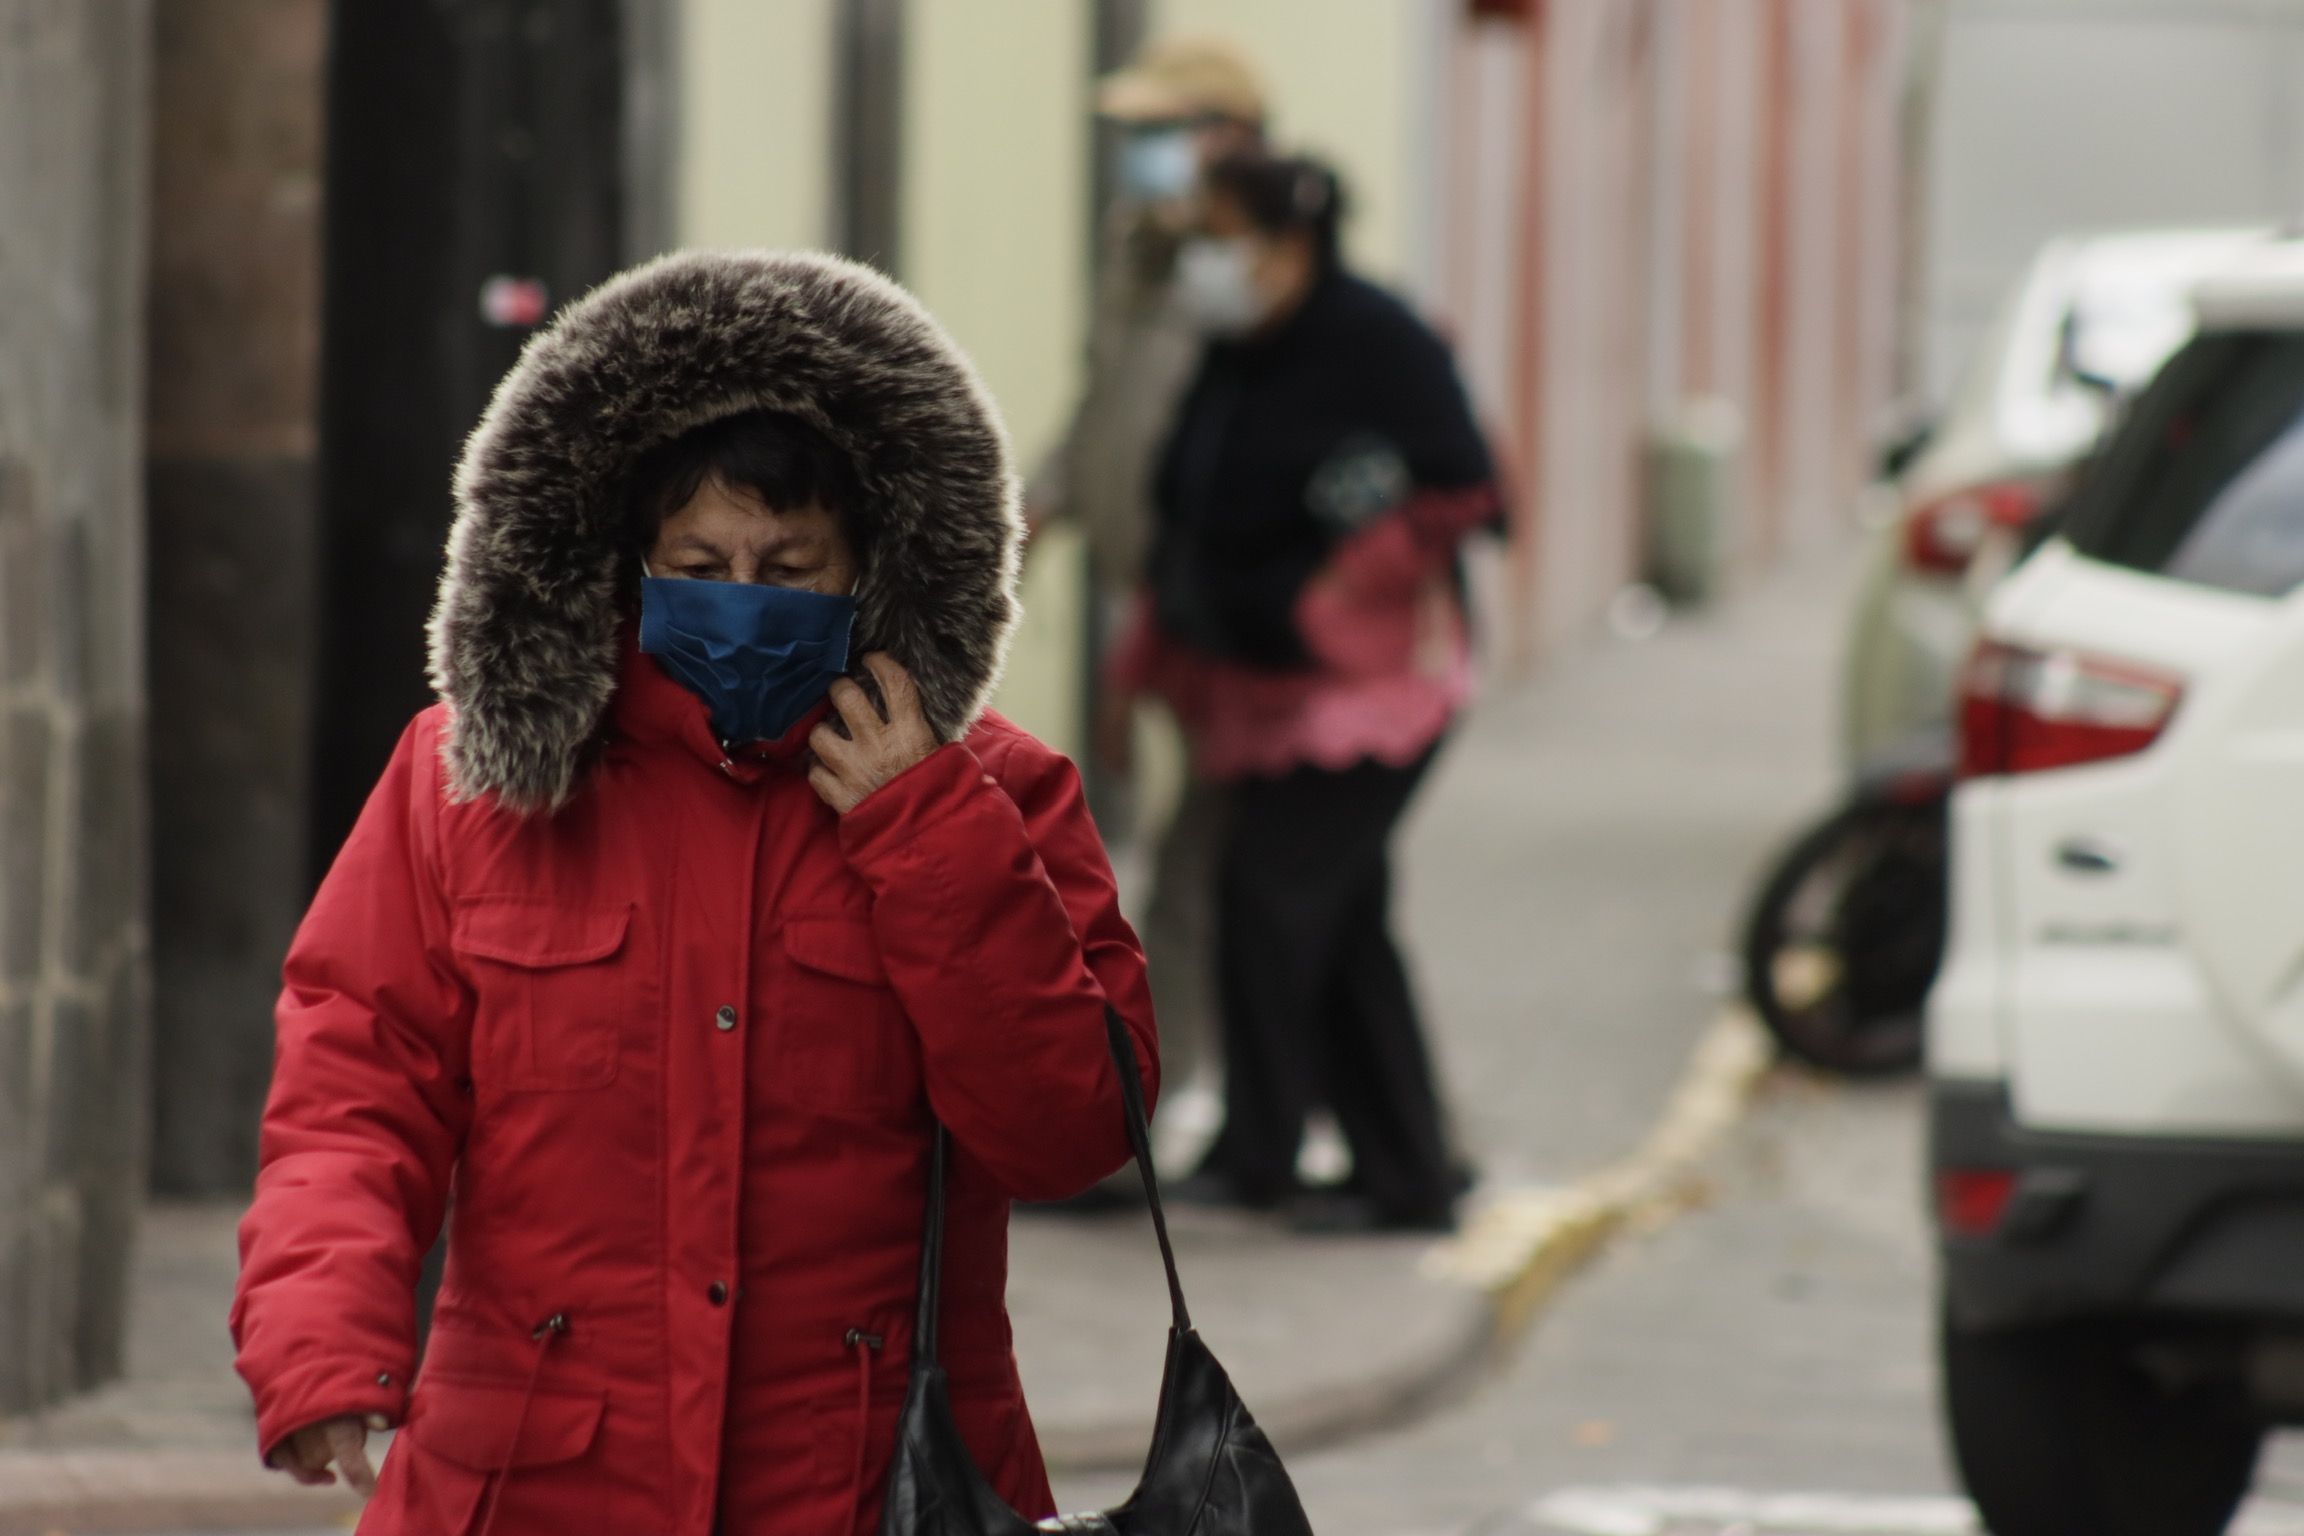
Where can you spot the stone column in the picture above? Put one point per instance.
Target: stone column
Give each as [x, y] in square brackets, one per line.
[73, 80]
[235, 323]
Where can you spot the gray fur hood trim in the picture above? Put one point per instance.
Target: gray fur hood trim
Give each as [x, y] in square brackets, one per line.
[524, 636]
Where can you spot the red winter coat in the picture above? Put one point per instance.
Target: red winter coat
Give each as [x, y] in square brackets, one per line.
[665, 1059]
[674, 1051]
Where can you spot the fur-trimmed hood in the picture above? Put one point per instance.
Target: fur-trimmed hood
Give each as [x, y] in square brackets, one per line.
[524, 636]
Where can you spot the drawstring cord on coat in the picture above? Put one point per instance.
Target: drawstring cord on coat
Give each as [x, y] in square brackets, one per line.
[546, 1331]
[864, 1344]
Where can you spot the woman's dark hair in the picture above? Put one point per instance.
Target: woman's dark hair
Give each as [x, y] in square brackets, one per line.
[786, 461]
[1284, 194]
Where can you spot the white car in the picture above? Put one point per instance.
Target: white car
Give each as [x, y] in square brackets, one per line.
[2091, 320]
[2116, 1039]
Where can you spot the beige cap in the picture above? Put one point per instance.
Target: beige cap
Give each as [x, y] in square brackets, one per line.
[1187, 75]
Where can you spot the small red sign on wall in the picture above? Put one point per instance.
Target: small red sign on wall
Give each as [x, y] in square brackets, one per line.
[513, 301]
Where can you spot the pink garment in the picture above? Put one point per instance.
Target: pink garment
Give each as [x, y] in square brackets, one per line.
[1384, 626]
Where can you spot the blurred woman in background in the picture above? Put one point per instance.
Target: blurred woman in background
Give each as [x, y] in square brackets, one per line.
[1302, 615]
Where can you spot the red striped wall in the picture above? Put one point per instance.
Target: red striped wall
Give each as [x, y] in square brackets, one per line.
[1653, 201]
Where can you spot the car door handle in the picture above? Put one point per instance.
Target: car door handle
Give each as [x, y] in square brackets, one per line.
[2084, 855]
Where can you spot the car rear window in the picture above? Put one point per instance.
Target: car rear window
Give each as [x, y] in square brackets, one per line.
[2204, 481]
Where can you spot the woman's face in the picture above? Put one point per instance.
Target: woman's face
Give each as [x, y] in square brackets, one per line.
[727, 533]
[1281, 267]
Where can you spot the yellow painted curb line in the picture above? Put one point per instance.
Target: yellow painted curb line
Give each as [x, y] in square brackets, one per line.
[1522, 1242]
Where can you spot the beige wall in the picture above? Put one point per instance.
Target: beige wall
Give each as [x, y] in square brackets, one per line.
[1350, 81]
[753, 141]
[1045, 685]
[995, 225]
[994, 219]
[995, 172]
[995, 194]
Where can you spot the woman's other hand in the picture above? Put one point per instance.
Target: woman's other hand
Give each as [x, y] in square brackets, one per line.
[875, 750]
[306, 1454]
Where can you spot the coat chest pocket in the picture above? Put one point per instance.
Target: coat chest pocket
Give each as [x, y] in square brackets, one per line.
[843, 1042]
[553, 988]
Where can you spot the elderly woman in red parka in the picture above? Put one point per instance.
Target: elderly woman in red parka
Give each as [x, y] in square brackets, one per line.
[651, 965]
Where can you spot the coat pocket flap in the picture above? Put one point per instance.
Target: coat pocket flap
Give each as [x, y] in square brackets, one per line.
[536, 932]
[471, 1422]
[838, 946]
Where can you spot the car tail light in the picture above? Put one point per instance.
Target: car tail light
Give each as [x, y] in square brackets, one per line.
[2023, 710]
[1943, 536]
[1971, 1201]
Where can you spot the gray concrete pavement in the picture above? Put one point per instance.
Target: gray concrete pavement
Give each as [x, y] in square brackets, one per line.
[1776, 1340]
[1573, 872]
[171, 1447]
[1324, 1338]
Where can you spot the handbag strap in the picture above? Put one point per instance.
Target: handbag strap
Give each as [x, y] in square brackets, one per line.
[1139, 1142]
[931, 1255]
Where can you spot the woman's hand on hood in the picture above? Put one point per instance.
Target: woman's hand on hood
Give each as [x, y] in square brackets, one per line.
[875, 749]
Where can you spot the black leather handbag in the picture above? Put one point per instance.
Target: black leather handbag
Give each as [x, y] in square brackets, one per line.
[1210, 1471]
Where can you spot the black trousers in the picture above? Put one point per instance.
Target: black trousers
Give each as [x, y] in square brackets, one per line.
[1315, 1001]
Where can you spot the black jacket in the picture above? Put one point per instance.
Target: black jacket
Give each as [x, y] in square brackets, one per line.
[1287, 443]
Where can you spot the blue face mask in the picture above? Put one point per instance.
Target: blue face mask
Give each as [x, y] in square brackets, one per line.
[759, 657]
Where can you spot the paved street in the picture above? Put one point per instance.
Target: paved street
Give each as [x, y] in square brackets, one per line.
[1775, 1341]
[1573, 871]
[1759, 1365]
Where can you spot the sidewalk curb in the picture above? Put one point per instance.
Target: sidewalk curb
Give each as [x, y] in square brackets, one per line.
[1523, 1242]
[1513, 1251]
[144, 1489]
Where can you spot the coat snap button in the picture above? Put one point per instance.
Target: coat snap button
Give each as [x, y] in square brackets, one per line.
[725, 1018]
[718, 1293]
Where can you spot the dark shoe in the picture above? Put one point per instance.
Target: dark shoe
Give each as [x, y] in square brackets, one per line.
[1340, 1212]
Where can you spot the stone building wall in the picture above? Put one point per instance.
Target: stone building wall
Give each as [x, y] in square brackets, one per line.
[73, 984]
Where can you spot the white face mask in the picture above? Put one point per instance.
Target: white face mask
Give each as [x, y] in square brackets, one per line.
[1216, 282]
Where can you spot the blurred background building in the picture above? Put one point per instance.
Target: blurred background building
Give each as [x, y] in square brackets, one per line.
[262, 261]
[74, 85]
[1671, 222]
